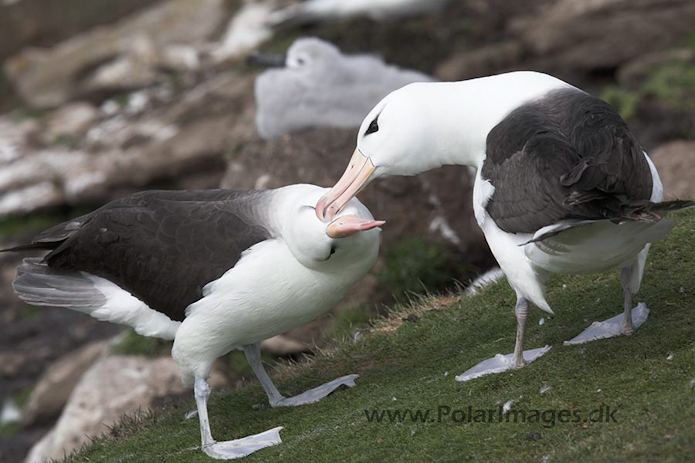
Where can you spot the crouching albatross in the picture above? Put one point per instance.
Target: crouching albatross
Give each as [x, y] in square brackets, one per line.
[214, 270]
[562, 185]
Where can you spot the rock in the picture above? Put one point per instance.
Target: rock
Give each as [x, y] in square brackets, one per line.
[71, 120]
[675, 162]
[436, 205]
[74, 156]
[585, 35]
[49, 77]
[36, 22]
[54, 387]
[124, 73]
[634, 72]
[14, 138]
[497, 57]
[247, 30]
[112, 387]
[283, 345]
[10, 362]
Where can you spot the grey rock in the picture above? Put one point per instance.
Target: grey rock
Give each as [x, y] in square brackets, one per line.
[180, 143]
[54, 387]
[49, 77]
[37, 22]
[634, 72]
[71, 120]
[481, 61]
[112, 387]
[601, 34]
[675, 162]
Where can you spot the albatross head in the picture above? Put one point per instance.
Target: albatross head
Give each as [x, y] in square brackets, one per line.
[398, 137]
[351, 237]
[306, 56]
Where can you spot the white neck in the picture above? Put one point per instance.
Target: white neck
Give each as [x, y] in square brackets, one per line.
[463, 113]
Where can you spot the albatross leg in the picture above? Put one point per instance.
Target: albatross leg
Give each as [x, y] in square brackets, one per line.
[625, 276]
[233, 449]
[519, 358]
[253, 355]
[627, 323]
[521, 312]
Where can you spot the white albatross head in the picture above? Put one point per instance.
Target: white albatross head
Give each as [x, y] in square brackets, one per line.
[306, 56]
[350, 238]
[394, 139]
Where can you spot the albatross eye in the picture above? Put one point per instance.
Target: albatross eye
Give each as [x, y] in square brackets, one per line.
[373, 127]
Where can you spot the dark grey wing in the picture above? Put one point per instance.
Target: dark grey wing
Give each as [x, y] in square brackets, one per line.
[568, 155]
[162, 246]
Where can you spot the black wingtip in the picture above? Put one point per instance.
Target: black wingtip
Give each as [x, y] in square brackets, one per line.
[26, 247]
[675, 205]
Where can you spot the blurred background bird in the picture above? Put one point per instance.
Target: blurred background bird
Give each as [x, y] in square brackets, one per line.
[318, 86]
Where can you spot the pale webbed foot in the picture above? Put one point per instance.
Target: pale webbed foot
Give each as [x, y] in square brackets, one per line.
[500, 363]
[239, 448]
[317, 393]
[612, 327]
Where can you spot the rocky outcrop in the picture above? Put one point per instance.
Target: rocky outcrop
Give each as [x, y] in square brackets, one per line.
[574, 38]
[53, 389]
[116, 57]
[80, 154]
[37, 23]
[581, 35]
[675, 162]
[112, 387]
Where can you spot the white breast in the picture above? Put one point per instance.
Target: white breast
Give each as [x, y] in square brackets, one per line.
[267, 293]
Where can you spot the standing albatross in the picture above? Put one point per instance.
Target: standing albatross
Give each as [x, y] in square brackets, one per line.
[214, 270]
[562, 185]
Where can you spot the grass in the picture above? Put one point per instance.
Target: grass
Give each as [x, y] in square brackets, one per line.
[403, 365]
[415, 266]
[132, 343]
[671, 83]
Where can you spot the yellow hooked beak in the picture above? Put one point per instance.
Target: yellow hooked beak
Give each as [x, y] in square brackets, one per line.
[353, 180]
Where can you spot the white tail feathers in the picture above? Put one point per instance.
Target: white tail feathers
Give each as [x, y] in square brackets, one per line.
[39, 284]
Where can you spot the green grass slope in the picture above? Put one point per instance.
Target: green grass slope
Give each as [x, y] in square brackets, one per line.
[646, 379]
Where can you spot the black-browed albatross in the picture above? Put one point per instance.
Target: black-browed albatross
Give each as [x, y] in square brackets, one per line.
[213, 270]
[562, 185]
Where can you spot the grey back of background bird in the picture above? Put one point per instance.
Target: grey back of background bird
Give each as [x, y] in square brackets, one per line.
[321, 87]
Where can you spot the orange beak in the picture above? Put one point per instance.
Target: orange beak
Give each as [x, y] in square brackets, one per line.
[356, 176]
[349, 225]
